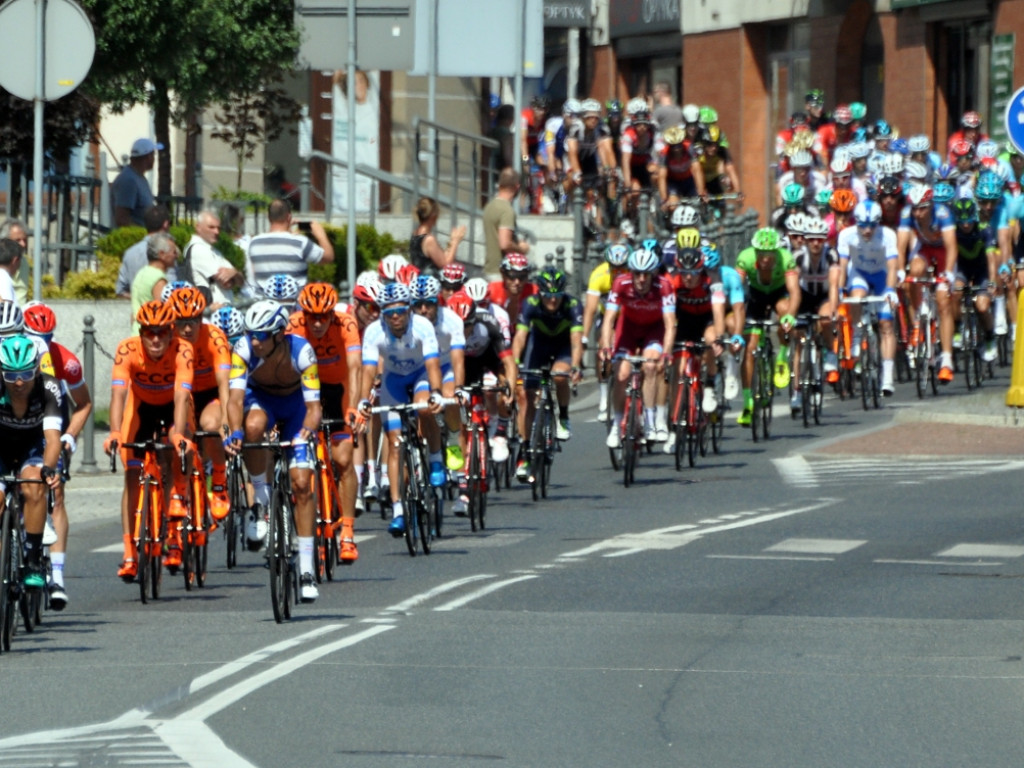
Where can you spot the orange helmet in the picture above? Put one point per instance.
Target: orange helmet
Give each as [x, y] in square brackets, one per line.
[318, 298]
[187, 303]
[155, 314]
[843, 201]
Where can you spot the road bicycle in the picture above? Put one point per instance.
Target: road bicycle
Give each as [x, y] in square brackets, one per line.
[969, 356]
[14, 598]
[689, 420]
[762, 384]
[812, 376]
[543, 444]
[631, 426]
[869, 358]
[234, 523]
[199, 524]
[922, 356]
[479, 473]
[326, 548]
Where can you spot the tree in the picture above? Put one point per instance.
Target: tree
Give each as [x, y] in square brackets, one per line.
[251, 119]
[180, 56]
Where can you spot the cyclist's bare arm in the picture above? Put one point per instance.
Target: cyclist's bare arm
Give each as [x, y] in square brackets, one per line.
[627, 169]
[519, 343]
[590, 312]
[605, 152]
[663, 183]
[904, 240]
[949, 243]
[793, 286]
[608, 327]
[117, 400]
[83, 407]
[698, 178]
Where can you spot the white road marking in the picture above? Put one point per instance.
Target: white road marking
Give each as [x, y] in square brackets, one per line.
[817, 546]
[796, 471]
[982, 550]
[808, 558]
[421, 598]
[196, 743]
[458, 603]
[948, 563]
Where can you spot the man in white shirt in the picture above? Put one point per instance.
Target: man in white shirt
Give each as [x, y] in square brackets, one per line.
[11, 254]
[210, 271]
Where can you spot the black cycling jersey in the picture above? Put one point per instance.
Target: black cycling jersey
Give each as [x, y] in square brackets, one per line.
[44, 410]
[485, 335]
[586, 145]
[814, 280]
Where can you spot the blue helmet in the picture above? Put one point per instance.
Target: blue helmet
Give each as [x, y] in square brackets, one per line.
[868, 213]
[652, 245]
[943, 192]
[229, 320]
[712, 258]
[899, 146]
[990, 187]
[393, 293]
[283, 288]
[425, 288]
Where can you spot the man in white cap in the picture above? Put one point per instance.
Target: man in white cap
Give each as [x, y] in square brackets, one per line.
[130, 194]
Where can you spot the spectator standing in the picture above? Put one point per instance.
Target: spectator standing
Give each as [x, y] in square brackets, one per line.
[209, 270]
[11, 254]
[18, 232]
[499, 223]
[666, 112]
[130, 194]
[425, 253]
[149, 282]
[157, 219]
[279, 251]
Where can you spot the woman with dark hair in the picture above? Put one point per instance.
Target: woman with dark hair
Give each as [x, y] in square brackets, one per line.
[425, 252]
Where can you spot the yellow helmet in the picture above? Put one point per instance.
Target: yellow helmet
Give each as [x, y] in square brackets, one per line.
[688, 238]
[674, 135]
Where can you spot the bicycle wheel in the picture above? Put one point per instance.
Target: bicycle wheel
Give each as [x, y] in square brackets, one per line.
[536, 455]
[143, 554]
[865, 372]
[156, 562]
[409, 494]
[692, 422]
[429, 500]
[188, 548]
[806, 377]
[10, 566]
[277, 556]
[758, 404]
[547, 456]
[233, 522]
[921, 366]
[473, 490]
[767, 395]
[628, 443]
[202, 551]
[682, 408]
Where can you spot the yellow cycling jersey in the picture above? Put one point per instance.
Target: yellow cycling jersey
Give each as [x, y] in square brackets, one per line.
[600, 282]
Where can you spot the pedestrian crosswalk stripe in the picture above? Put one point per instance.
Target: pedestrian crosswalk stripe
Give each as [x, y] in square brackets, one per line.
[810, 472]
[982, 550]
[817, 546]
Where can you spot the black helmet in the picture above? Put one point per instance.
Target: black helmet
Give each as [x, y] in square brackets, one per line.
[689, 259]
[542, 102]
[890, 185]
[551, 282]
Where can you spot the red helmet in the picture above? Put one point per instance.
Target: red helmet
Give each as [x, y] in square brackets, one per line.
[971, 120]
[462, 305]
[515, 262]
[843, 115]
[962, 148]
[453, 275]
[408, 274]
[39, 318]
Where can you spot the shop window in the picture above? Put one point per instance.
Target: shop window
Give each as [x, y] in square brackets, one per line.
[967, 47]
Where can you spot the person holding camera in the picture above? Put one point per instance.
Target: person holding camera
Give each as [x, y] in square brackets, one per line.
[279, 251]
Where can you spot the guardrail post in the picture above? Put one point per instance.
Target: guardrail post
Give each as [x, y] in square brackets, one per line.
[88, 465]
[343, 288]
[643, 216]
[304, 189]
[577, 233]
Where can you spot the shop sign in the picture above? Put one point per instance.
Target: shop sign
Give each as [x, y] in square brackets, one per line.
[637, 17]
[1001, 79]
[566, 13]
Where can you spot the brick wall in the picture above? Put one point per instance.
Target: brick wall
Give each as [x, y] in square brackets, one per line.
[907, 104]
[847, 51]
[752, 157]
[824, 37]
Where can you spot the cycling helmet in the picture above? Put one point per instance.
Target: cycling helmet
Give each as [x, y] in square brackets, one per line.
[156, 314]
[798, 118]
[515, 262]
[712, 258]
[11, 318]
[793, 194]
[801, 158]
[318, 298]
[265, 316]
[890, 185]
[453, 275]
[708, 115]
[591, 107]
[229, 320]
[685, 216]
[987, 149]
[616, 255]
[961, 149]
[965, 211]
[18, 353]
[425, 288]
[990, 187]
[691, 113]
[551, 282]
[843, 115]
[815, 96]
[947, 171]
[868, 213]
[915, 171]
[943, 192]
[187, 303]
[892, 164]
[859, 150]
[840, 165]
[674, 136]
[795, 222]
[540, 101]
[393, 293]
[711, 135]
[463, 306]
[389, 266]
[765, 239]
[668, 252]
[689, 259]
[971, 120]
[815, 228]
[822, 197]
[367, 287]
[842, 200]
[919, 143]
[169, 288]
[858, 110]
[899, 146]
[283, 288]
[39, 318]
[688, 238]
[652, 245]
[643, 260]
[572, 107]
[876, 165]
[920, 195]
[477, 289]
[881, 130]
[636, 108]
[613, 107]
[408, 274]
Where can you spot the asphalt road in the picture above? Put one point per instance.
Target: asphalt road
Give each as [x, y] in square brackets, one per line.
[808, 600]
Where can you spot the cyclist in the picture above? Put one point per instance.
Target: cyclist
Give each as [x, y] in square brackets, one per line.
[801, 173]
[334, 337]
[590, 153]
[640, 314]
[549, 332]
[534, 119]
[969, 132]
[40, 323]
[678, 173]
[996, 211]
[774, 280]
[275, 381]
[599, 285]
[794, 197]
[727, 288]
[453, 277]
[842, 178]
[638, 151]
[818, 263]
[151, 387]
[890, 198]
[720, 175]
[841, 204]
[210, 376]
[365, 309]
[478, 290]
[30, 418]
[404, 346]
[613, 119]
[868, 258]
[927, 240]
[513, 288]
[976, 265]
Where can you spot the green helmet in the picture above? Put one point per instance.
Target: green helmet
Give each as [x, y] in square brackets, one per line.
[551, 282]
[858, 110]
[708, 115]
[765, 239]
[793, 194]
[18, 353]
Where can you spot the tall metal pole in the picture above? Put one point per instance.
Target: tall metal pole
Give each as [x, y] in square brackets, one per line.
[521, 52]
[432, 96]
[37, 152]
[351, 178]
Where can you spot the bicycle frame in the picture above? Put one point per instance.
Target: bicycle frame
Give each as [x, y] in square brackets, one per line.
[149, 527]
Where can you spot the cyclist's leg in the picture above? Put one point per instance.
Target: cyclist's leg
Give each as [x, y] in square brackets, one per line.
[562, 363]
[33, 514]
[211, 417]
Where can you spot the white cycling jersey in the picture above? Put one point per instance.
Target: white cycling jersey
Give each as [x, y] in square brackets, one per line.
[400, 356]
[449, 332]
[867, 256]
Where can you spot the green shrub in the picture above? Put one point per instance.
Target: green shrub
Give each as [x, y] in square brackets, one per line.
[182, 232]
[120, 240]
[87, 284]
[227, 248]
[371, 247]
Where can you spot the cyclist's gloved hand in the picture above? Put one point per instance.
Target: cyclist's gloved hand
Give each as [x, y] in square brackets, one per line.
[178, 439]
[462, 395]
[787, 321]
[69, 440]
[949, 277]
[901, 275]
[364, 407]
[434, 401]
[739, 341]
[235, 438]
[892, 297]
[1004, 270]
[111, 442]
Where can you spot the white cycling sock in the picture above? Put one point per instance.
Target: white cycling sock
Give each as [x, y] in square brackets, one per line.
[602, 389]
[396, 509]
[260, 489]
[359, 474]
[57, 564]
[305, 554]
[650, 414]
[887, 370]
[661, 413]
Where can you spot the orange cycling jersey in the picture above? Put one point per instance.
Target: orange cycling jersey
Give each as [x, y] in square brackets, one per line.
[153, 381]
[342, 337]
[213, 353]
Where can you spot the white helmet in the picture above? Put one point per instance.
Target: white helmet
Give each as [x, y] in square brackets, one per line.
[987, 149]
[636, 107]
[859, 149]
[916, 171]
[691, 113]
[685, 216]
[893, 165]
[919, 194]
[796, 222]
[572, 107]
[476, 288]
[266, 316]
[11, 318]
[800, 159]
[591, 107]
[919, 143]
[390, 265]
[815, 226]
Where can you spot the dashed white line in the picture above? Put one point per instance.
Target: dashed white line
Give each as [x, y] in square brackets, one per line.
[458, 603]
[421, 598]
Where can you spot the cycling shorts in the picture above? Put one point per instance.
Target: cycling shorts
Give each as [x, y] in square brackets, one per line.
[541, 353]
[334, 400]
[641, 174]
[643, 337]
[692, 327]
[489, 361]
[972, 272]
[682, 187]
[17, 455]
[874, 284]
[289, 411]
[143, 421]
[934, 256]
[760, 305]
[202, 399]
[395, 389]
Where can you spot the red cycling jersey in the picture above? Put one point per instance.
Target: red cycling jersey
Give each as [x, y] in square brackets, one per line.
[648, 309]
[66, 367]
[679, 164]
[496, 293]
[640, 148]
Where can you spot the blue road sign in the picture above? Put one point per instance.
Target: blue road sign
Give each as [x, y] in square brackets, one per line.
[1015, 119]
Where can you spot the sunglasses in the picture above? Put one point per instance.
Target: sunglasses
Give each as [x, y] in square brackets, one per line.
[516, 277]
[185, 322]
[321, 317]
[261, 336]
[369, 306]
[395, 311]
[155, 332]
[689, 272]
[16, 376]
[424, 303]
